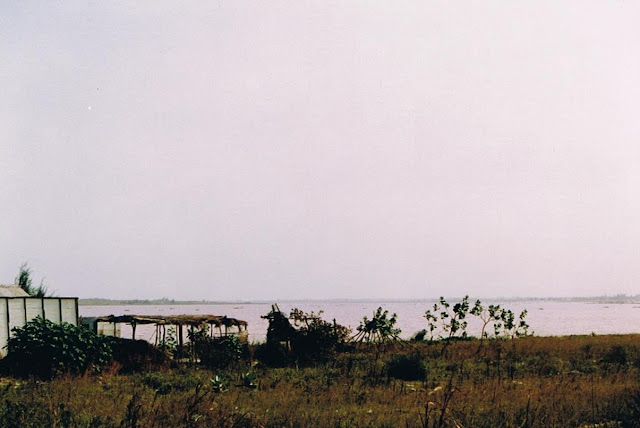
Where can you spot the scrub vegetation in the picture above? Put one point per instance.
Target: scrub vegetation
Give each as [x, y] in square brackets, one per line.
[504, 380]
[24, 280]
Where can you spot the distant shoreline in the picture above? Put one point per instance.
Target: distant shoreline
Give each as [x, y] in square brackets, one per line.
[618, 299]
[153, 302]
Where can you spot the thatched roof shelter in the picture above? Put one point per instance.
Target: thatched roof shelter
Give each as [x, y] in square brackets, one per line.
[191, 321]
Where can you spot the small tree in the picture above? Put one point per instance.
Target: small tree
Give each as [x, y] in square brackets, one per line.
[379, 329]
[504, 321]
[491, 314]
[23, 279]
[509, 327]
[446, 322]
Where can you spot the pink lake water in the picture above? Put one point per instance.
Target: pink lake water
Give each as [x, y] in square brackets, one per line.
[545, 318]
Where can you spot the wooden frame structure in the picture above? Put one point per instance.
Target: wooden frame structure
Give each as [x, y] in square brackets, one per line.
[232, 326]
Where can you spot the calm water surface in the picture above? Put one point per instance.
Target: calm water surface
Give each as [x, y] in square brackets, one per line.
[545, 318]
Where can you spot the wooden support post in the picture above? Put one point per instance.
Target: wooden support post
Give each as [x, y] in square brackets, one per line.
[6, 302]
[133, 326]
[180, 339]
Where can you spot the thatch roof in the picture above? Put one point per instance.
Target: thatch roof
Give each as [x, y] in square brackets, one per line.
[192, 320]
[12, 291]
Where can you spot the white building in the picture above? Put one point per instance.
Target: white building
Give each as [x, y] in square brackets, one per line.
[17, 307]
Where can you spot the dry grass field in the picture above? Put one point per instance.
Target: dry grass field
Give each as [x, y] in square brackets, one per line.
[576, 381]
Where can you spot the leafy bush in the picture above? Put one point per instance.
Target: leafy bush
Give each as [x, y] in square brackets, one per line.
[136, 355]
[217, 352]
[311, 340]
[407, 367]
[44, 349]
[273, 354]
[316, 340]
[616, 355]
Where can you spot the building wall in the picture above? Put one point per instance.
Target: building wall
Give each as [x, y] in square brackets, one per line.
[109, 329]
[16, 311]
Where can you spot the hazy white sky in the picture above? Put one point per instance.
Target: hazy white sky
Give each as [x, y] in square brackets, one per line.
[326, 149]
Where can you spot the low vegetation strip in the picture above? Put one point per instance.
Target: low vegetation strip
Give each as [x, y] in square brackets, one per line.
[316, 373]
[526, 382]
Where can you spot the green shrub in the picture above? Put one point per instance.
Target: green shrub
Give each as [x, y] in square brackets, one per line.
[217, 352]
[317, 340]
[312, 339]
[617, 354]
[273, 354]
[407, 367]
[137, 355]
[44, 349]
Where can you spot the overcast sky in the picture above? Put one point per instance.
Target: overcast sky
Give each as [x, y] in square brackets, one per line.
[239, 150]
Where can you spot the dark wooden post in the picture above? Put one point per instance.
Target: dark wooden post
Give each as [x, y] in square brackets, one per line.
[6, 302]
